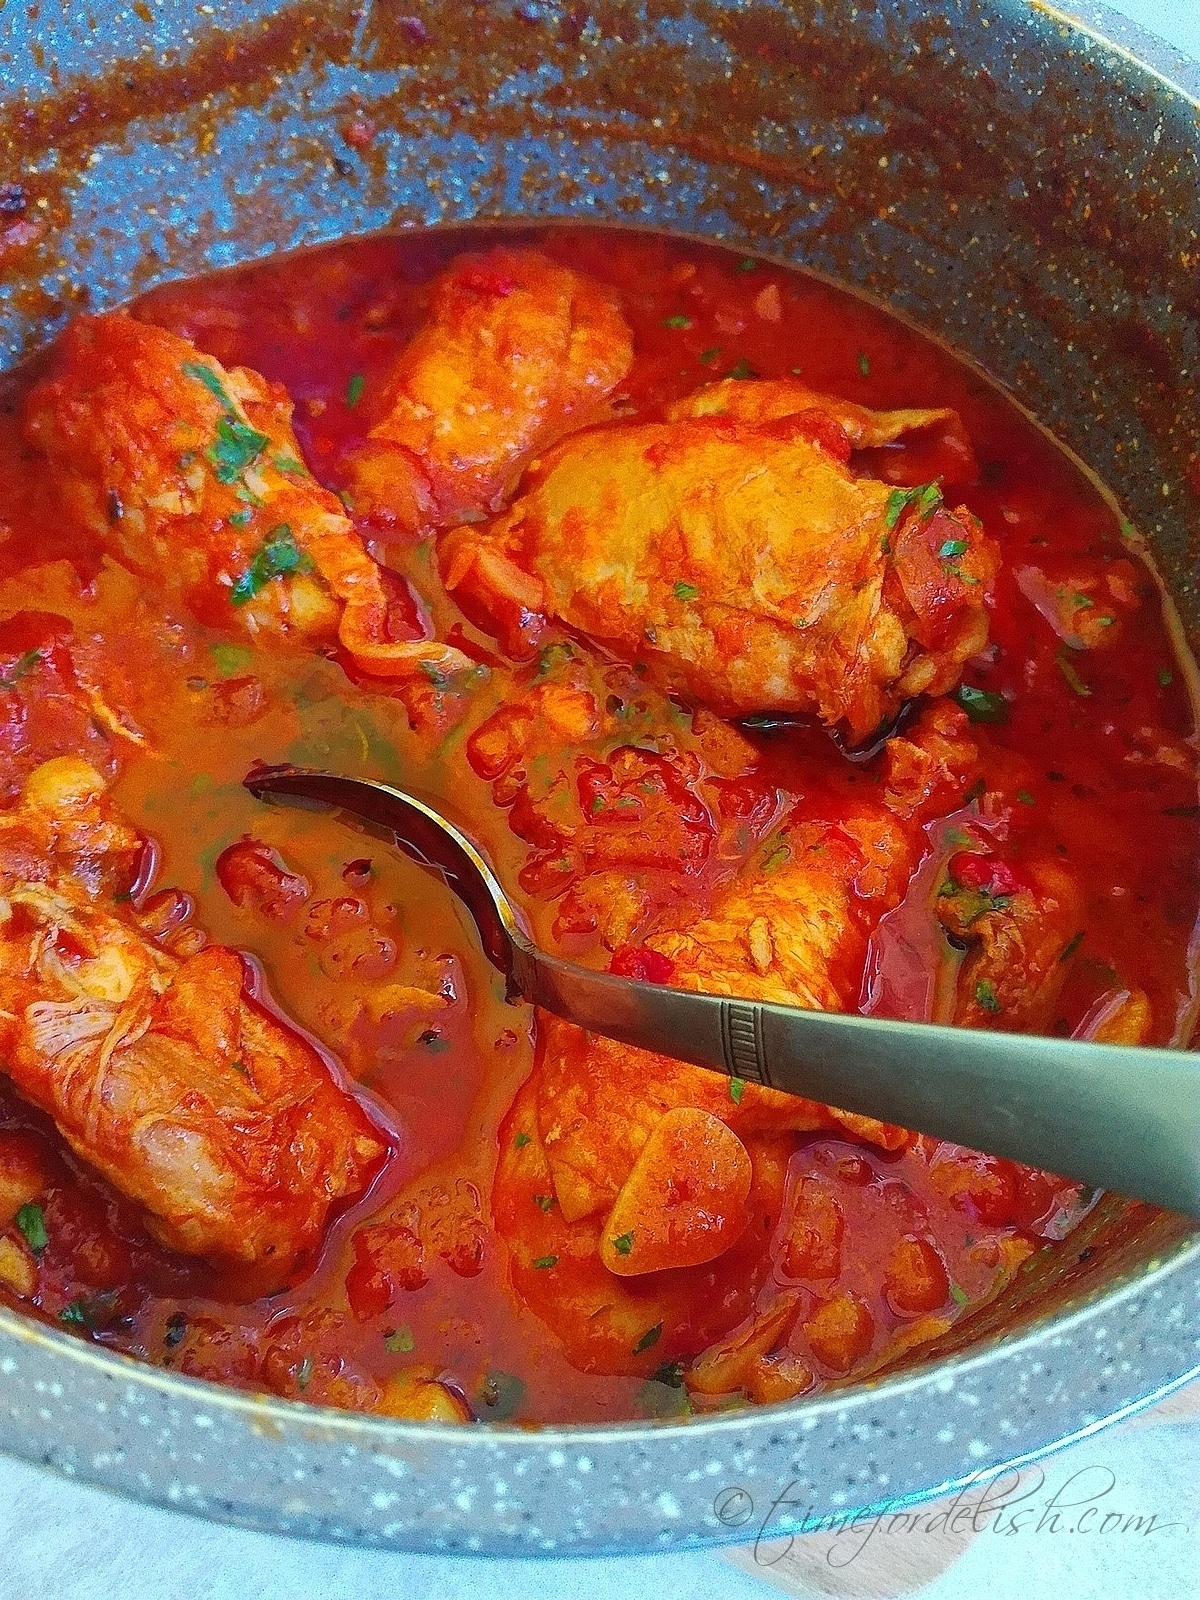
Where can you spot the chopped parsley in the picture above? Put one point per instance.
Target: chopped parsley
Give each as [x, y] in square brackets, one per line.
[206, 376]
[279, 557]
[780, 852]
[354, 389]
[21, 668]
[544, 1202]
[230, 659]
[623, 1243]
[670, 1373]
[747, 264]
[926, 497]
[239, 519]
[981, 705]
[521, 1140]
[708, 356]
[1067, 667]
[290, 464]
[741, 369]
[1026, 799]
[737, 1087]
[953, 547]
[399, 1341]
[542, 1263]
[677, 322]
[1072, 946]
[237, 447]
[864, 364]
[686, 591]
[986, 996]
[959, 1295]
[31, 1220]
[648, 1339]
[1165, 678]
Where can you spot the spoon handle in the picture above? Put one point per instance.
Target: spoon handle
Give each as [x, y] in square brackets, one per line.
[1117, 1117]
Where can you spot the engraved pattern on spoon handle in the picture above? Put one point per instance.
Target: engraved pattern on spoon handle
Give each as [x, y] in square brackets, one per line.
[742, 1042]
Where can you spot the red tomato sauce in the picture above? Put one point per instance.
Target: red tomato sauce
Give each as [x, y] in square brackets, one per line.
[1084, 756]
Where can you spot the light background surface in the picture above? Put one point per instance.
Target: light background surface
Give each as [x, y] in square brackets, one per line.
[61, 1541]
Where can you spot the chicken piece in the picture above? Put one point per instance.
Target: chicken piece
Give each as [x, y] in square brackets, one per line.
[1018, 925]
[191, 475]
[66, 826]
[929, 769]
[516, 350]
[791, 928]
[45, 709]
[162, 1073]
[772, 399]
[743, 564]
[631, 1324]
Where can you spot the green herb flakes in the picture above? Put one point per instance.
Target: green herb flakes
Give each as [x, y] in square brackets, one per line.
[521, 1140]
[544, 1263]
[75, 1315]
[670, 1373]
[237, 447]
[1165, 678]
[279, 557]
[1072, 945]
[953, 547]
[925, 497]
[737, 1087]
[1067, 667]
[399, 1341]
[741, 370]
[1026, 799]
[707, 357]
[31, 1220]
[230, 659]
[623, 1243]
[985, 995]
[240, 519]
[544, 1202]
[677, 322]
[21, 668]
[354, 389]
[959, 1295]
[981, 705]
[747, 264]
[686, 591]
[211, 382]
[648, 1339]
[864, 364]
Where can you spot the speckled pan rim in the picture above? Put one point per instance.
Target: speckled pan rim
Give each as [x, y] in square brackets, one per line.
[260, 1405]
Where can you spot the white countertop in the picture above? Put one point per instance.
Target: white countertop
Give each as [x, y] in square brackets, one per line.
[1116, 1515]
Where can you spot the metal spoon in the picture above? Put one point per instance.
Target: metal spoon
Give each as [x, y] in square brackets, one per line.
[1114, 1116]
